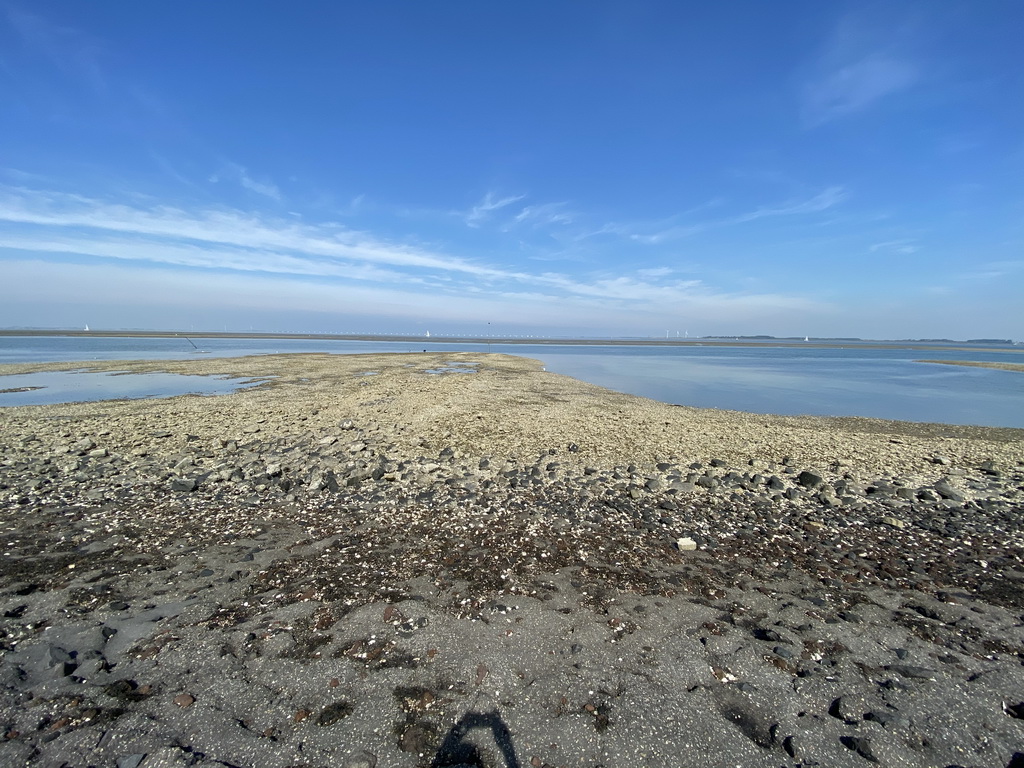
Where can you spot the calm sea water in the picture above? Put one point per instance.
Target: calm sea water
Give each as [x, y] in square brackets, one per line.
[851, 381]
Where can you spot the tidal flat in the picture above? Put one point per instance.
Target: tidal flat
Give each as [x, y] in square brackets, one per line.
[978, 364]
[497, 565]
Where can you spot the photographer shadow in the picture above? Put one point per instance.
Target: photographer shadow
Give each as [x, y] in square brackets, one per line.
[457, 750]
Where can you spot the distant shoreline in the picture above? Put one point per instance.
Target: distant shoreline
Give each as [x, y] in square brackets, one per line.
[512, 341]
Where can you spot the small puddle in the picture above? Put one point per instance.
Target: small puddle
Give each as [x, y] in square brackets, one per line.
[51, 387]
[454, 368]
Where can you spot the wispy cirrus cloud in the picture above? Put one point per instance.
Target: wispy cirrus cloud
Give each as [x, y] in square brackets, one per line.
[901, 247]
[240, 174]
[109, 237]
[865, 61]
[544, 215]
[655, 272]
[855, 86]
[994, 270]
[217, 227]
[75, 54]
[490, 203]
[822, 201]
[505, 214]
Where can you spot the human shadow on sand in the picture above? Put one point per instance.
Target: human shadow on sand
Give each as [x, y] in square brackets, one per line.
[457, 750]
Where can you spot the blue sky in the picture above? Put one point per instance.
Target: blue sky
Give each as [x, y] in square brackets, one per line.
[544, 168]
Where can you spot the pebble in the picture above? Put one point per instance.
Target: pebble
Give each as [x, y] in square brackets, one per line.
[361, 759]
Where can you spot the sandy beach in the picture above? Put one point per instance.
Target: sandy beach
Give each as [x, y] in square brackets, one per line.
[463, 559]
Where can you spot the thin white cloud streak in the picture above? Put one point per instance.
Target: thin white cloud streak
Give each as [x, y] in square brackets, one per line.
[901, 247]
[105, 283]
[240, 174]
[854, 87]
[630, 230]
[655, 272]
[620, 291]
[266, 189]
[71, 51]
[483, 210]
[546, 214]
[993, 270]
[43, 285]
[824, 200]
[223, 227]
[865, 61]
[219, 241]
[197, 257]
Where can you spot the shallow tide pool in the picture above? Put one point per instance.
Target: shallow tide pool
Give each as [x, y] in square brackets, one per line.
[50, 387]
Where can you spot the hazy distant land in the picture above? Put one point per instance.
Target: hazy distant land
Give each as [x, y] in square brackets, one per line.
[707, 341]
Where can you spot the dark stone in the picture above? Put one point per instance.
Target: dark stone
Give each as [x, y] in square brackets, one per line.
[912, 672]
[332, 713]
[418, 738]
[886, 718]
[58, 655]
[809, 479]
[946, 491]
[182, 484]
[849, 709]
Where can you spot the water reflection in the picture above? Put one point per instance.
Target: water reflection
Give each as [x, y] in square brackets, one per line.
[821, 385]
[51, 387]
